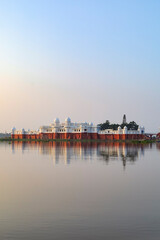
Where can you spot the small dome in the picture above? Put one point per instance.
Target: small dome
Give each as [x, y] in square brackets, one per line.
[119, 127]
[125, 127]
[68, 120]
[13, 130]
[22, 130]
[56, 120]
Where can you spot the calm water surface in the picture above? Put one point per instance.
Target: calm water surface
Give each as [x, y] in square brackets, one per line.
[79, 191]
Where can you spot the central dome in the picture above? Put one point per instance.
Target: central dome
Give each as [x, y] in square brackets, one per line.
[56, 120]
[68, 120]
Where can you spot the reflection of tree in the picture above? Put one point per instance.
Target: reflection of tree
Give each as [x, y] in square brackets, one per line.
[73, 151]
[131, 157]
[124, 152]
[105, 156]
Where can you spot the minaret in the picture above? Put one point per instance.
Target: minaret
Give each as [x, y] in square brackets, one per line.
[124, 119]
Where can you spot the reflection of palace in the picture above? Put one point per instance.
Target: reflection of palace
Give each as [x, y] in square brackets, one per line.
[67, 152]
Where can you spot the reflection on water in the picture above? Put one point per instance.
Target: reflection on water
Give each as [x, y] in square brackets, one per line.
[71, 151]
[75, 190]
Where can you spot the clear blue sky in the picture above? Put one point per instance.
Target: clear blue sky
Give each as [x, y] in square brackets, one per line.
[90, 60]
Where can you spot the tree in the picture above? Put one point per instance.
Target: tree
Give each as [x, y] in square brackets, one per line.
[107, 125]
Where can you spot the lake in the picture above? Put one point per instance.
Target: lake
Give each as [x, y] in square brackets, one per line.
[73, 190]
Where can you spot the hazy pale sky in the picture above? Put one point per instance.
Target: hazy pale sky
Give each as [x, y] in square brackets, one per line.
[90, 60]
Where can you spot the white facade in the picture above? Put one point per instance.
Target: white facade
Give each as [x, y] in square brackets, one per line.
[69, 127]
[66, 127]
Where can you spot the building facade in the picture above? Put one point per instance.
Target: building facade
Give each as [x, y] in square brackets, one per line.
[70, 130]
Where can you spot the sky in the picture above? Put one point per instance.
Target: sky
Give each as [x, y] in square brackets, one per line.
[91, 60]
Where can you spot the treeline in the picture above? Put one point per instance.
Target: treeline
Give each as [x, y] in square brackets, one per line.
[107, 125]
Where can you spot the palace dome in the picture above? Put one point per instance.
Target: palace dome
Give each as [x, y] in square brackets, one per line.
[67, 120]
[56, 120]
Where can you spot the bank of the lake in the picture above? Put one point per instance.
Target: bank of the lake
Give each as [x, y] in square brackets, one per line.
[77, 140]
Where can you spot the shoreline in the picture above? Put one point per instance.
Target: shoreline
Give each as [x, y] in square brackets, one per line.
[78, 140]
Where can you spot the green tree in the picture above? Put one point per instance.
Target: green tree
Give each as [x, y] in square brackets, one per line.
[107, 125]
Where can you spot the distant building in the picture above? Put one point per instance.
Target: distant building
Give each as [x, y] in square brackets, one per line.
[124, 119]
[70, 130]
